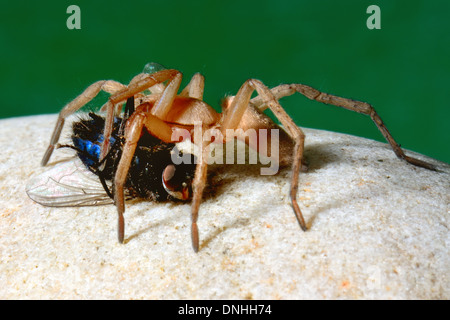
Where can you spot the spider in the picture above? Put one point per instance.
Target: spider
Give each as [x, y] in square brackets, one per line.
[161, 110]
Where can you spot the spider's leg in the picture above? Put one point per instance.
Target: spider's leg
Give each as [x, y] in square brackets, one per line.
[353, 105]
[139, 84]
[164, 103]
[155, 89]
[88, 94]
[195, 87]
[235, 112]
[198, 184]
[133, 129]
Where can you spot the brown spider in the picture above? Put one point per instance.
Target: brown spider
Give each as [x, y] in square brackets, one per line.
[163, 111]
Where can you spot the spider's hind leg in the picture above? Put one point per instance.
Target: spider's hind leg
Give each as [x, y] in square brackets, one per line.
[353, 105]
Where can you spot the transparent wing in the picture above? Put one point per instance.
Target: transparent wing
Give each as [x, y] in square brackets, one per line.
[68, 184]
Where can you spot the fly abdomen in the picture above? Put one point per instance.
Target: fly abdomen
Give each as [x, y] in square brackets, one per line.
[86, 148]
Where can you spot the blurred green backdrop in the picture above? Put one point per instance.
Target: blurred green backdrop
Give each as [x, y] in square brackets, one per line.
[403, 69]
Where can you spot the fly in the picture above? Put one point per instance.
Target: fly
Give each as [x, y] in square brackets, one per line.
[87, 181]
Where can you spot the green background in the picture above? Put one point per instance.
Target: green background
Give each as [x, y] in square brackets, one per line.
[403, 70]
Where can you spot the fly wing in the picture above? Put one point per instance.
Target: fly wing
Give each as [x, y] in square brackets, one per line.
[68, 184]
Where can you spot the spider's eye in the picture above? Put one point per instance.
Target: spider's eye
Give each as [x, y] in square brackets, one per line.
[172, 180]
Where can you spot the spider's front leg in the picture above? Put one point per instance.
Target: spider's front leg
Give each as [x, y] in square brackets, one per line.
[133, 130]
[138, 84]
[153, 121]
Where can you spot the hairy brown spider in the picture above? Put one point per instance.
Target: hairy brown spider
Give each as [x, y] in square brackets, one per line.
[163, 111]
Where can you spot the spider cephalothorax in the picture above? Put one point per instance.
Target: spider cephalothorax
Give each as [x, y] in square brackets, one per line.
[164, 112]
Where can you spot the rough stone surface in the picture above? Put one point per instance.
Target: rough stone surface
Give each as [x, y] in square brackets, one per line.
[378, 229]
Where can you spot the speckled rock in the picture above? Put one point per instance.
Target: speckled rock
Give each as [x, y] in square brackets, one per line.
[378, 229]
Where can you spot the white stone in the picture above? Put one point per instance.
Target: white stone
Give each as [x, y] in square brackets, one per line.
[378, 230]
